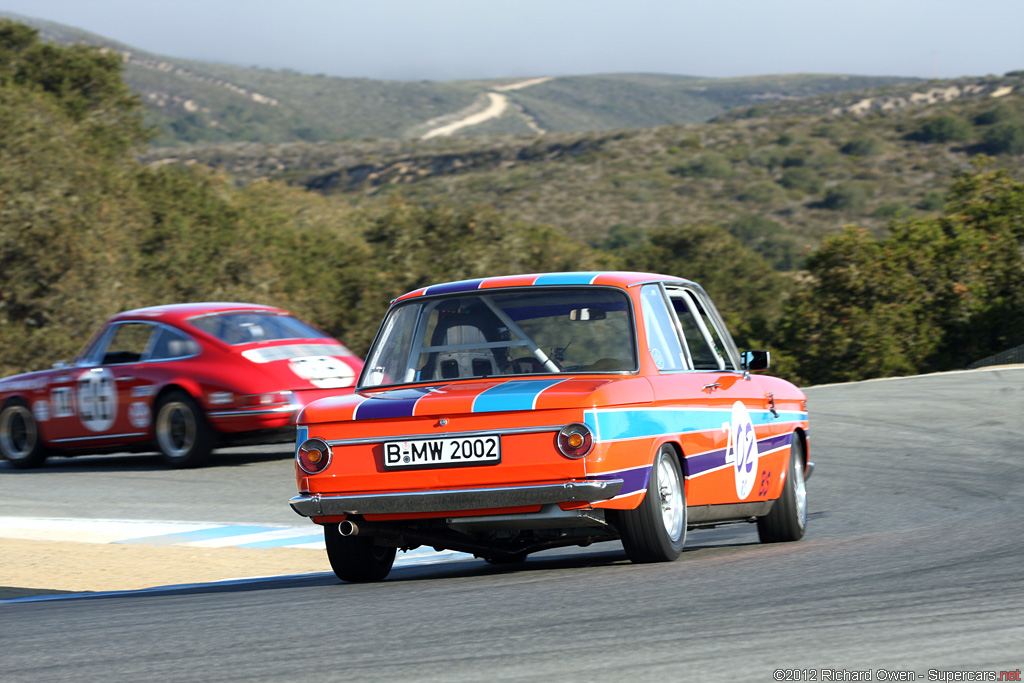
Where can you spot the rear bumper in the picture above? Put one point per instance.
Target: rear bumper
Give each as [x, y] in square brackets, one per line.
[589, 490]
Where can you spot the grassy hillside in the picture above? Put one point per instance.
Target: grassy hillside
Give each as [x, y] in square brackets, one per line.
[88, 228]
[780, 181]
[197, 102]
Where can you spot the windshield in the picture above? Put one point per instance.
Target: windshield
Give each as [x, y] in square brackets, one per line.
[244, 327]
[510, 332]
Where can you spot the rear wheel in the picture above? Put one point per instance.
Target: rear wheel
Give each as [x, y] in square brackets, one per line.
[19, 436]
[355, 558]
[787, 519]
[656, 530]
[183, 435]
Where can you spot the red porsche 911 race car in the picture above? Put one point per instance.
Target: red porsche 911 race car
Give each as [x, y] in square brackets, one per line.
[507, 415]
[183, 378]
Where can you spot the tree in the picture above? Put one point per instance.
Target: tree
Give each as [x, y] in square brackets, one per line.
[1004, 138]
[936, 294]
[746, 289]
[84, 82]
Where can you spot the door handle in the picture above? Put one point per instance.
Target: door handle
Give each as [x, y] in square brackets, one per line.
[711, 387]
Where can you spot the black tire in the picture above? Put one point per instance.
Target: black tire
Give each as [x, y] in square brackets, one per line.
[656, 530]
[19, 436]
[356, 559]
[183, 435]
[787, 519]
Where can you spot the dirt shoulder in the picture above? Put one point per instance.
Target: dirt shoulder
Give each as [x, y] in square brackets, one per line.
[40, 567]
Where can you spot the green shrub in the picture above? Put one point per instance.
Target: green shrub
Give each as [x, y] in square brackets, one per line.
[845, 197]
[862, 146]
[933, 200]
[761, 191]
[1005, 138]
[709, 165]
[890, 210]
[801, 178]
[942, 128]
[998, 114]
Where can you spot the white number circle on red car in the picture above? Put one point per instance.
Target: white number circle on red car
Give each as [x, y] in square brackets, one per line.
[323, 371]
[97, 399]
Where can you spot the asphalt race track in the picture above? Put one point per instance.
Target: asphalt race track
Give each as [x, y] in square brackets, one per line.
[912, 562]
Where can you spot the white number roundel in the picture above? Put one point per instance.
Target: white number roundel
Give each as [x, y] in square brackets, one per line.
[741, 450]
[97, 399]
[323, 371]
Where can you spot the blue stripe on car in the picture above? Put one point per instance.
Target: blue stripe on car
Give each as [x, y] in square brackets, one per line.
[568, 278]
[618, 425]
[514, 395]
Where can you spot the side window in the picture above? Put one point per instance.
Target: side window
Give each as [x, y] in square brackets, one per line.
[700, 329]
[172, 344]
[128, 344]
[662, 341]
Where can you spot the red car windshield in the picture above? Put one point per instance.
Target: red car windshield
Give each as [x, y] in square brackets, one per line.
[246, 327]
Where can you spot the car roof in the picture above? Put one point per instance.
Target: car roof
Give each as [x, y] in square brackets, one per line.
[614, 278]
[178, 313]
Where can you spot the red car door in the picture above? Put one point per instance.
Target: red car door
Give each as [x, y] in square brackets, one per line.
[92, 403]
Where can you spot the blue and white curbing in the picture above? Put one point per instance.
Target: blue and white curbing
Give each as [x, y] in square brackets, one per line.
[192, 534]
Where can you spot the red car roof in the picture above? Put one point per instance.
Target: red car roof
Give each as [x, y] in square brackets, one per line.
[178, 313]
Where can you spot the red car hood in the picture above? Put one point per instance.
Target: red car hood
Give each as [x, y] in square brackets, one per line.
[478, 397]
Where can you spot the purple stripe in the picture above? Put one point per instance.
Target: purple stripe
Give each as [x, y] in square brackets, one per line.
[773, 442]
[460, 286]
[705, 462]
[634, 480]
[712, 460]
[390, 404]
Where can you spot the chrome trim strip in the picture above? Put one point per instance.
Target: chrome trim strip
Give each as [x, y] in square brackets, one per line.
[701, 514]
[244, 413]
[444, 435]
[456, 499]
[101, 436]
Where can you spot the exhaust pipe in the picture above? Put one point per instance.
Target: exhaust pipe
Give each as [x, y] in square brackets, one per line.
[348, 528]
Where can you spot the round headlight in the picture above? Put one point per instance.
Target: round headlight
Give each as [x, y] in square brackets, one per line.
[575, 440]
[313, 455]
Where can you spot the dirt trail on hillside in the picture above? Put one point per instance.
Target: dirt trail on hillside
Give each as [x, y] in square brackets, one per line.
[497, 106]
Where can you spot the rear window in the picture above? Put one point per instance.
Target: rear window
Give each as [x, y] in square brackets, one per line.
[248, 327]
[540, 331]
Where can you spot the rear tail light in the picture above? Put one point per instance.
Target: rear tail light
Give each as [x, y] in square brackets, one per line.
[313, 456]
[575, 440]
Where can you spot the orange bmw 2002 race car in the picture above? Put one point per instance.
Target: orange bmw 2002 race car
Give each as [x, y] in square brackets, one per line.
[507, 415]
[183, 378]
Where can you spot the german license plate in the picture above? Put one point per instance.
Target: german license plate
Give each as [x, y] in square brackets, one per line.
[469, 450]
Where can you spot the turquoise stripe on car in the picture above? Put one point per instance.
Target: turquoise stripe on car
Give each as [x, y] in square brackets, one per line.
[617, 425]
[514, 395]
[567, 278]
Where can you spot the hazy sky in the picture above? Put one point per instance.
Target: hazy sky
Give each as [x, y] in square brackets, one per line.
[458, 39]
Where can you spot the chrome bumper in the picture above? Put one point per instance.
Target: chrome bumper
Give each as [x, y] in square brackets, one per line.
[254, 412]
[590, 490]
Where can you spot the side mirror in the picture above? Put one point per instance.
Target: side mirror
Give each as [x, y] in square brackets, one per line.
[61, 365]
[752, 361]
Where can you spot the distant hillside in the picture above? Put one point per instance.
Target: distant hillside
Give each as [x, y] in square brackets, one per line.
[777, 178]
[194, 102]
